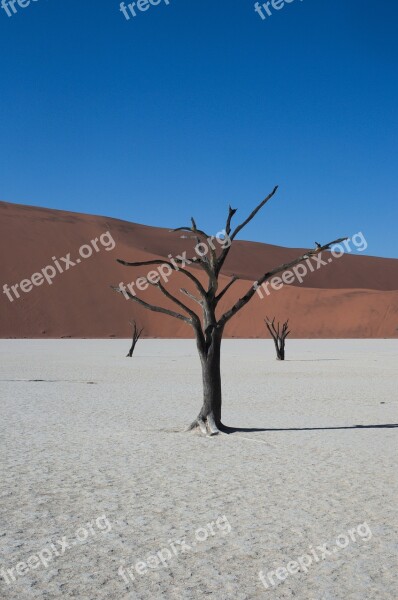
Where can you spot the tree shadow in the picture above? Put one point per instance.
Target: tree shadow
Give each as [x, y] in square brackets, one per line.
[229, 430]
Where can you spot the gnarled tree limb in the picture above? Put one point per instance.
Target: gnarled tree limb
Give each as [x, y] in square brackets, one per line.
[152, 307]
[226, 288]
[250, 293]
[158, 261]
[225, 252]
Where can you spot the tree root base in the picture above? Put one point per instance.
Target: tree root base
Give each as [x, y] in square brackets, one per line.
[207, 426]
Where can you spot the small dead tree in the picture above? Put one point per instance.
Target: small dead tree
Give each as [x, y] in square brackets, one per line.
[136, 334]
[279, 336]
[208, 325]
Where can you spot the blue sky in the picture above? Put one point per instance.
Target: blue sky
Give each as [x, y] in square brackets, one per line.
[190, 106]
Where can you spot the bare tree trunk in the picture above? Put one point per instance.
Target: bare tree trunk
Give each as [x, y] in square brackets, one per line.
[209, 418]
[277, 349]
[131, 351]
[211, 376]
[280, 348]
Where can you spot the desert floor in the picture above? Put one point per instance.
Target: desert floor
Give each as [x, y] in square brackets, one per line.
[100, 486]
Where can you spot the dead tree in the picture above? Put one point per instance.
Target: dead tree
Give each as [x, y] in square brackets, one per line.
[136, 334]
[279, 336]
[209, 326]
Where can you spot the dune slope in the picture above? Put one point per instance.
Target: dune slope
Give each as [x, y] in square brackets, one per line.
[353, 296]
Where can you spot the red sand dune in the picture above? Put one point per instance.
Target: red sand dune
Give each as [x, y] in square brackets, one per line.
[354, 296]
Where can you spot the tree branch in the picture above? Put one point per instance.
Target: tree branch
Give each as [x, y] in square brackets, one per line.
[253, 214]
[271, 327]
[158, 261]
[192, 229]
[198, 300]
[225, 252]
[191, 313]
[231, 212]
[136, 332]
[152, 307]
[248, 296]
[226, 288]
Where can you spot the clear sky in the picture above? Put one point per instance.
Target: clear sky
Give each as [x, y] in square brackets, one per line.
[190, 106]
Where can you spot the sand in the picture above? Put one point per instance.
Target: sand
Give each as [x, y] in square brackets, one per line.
[94, 450]
[355, 296]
